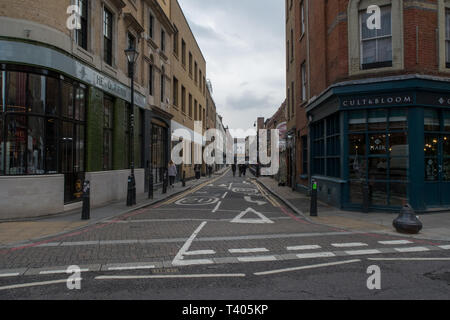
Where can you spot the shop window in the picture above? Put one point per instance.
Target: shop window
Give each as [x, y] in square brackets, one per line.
[357, 121]
[431, 120]
[35, 145]
[52, 96]
[16, 84]
[108, 107]
[326, 147]
[36, 93]
[446, 120]
[398, 119]
[79, 165]
[376, 44]
[67, 139]
[51, 146]
[377, 120]
[67, 100]
[15, 153]
[80, 104]
[81, 35]
[36, 141]
[379, 155]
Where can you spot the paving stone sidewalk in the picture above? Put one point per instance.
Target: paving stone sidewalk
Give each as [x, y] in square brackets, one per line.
[25, 231]
[436, 226]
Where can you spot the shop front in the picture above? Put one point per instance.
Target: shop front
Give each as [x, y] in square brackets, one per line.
[389, 139]
[61, 122]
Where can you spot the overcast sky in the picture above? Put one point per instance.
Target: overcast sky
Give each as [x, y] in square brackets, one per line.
[243, 44]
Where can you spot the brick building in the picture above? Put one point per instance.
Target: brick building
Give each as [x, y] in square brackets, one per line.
[377, 101]
[65, 98]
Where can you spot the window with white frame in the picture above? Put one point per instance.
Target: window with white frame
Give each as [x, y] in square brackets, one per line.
[303, 81]
[302, 16]
[376, 44]
[447, 36]
[107, 36]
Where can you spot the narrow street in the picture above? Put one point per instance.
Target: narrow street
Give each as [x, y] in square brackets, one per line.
[228, 238]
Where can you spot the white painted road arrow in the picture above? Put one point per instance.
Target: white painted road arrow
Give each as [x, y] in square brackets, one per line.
[261, 219]
[259, 203]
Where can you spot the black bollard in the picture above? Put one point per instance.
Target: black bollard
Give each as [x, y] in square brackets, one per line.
[164, 191]
[184, 179]
[407, 221]
[133, 193]
[129, 192]
[366, 200]
[313, 211]
[150, 186]
[86, 212]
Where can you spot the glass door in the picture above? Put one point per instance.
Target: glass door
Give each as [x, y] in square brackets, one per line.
[437, 157]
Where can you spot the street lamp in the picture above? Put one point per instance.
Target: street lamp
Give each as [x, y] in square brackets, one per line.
[132, 56]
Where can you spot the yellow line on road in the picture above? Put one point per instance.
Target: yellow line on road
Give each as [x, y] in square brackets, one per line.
[266, 195]
[195, 189]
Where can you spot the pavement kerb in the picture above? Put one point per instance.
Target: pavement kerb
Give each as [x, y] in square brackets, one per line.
[124, 212]
[286, 202]
[298, 212]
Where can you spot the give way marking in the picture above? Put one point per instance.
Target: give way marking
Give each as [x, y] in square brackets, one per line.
[261, 218]
[179, 258]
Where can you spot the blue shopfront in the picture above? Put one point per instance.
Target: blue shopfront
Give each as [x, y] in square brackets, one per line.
[392, 135]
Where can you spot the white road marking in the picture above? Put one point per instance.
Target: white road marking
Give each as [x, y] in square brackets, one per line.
[308, 247]
[130, 268]
[223, 185]
[257, 259]
[395, 242]
[199, 252]
[224, 195]
[409, 259]
[349, 245]
[217, 206]
[178, 260]
[4, 275]
[33, 284]
[412, 249]
[259, 203]
[362, 252]
[59, 271]
[254, 250]
[306, 267]
[231, 184]
[315, 255]
[446, 247]
[181, 276]
[261, 219]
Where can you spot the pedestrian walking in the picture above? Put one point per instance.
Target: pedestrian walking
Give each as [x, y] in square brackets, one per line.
[172, 173]
[233, 168]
